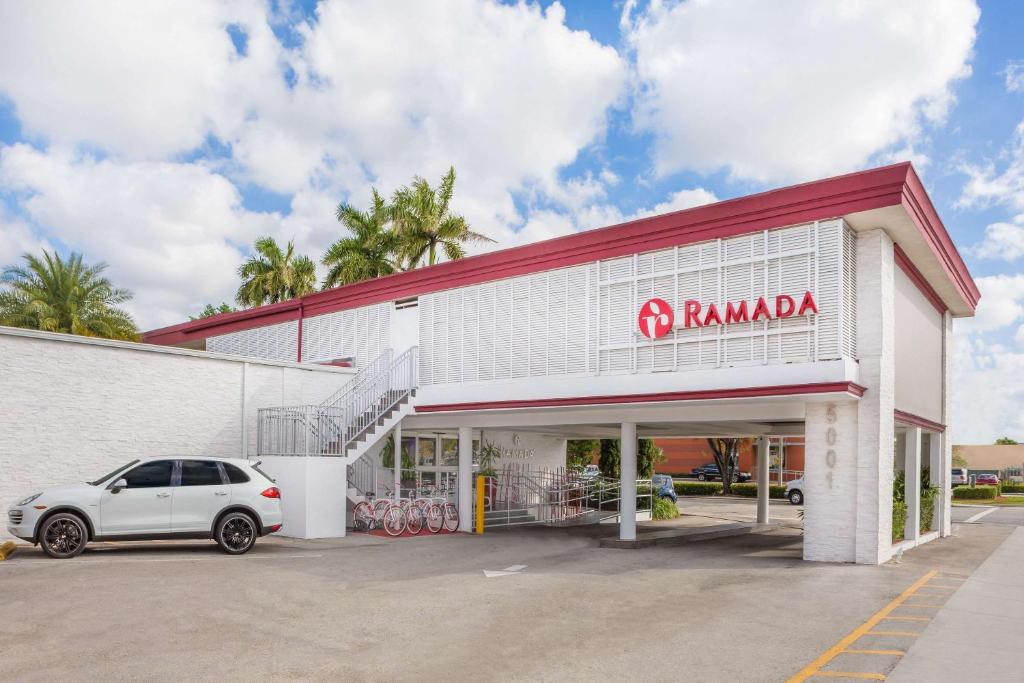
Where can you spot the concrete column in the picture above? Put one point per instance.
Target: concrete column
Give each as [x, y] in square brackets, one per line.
[763, 478]
[465, 479]
[876, 372]
[627, 483]
[398, 460]
[946, 495]
[912, 462]
[830, 482]
[940, 478]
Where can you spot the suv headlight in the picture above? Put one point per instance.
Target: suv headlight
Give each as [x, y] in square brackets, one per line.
[29, 499]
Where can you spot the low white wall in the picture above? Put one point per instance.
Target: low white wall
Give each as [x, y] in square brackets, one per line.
[73, 408]
[313, 495]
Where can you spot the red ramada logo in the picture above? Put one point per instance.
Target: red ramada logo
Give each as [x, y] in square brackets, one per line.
[656, 318]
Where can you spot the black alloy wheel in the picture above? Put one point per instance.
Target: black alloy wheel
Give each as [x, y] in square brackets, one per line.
[236, 533]
[64, 536]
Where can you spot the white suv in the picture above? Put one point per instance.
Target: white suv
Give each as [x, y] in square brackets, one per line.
[228, 500]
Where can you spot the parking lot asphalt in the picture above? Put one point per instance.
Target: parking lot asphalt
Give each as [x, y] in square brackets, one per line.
[736, 609]
[983, 514]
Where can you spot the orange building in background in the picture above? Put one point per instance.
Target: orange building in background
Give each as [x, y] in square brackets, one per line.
[682, 455]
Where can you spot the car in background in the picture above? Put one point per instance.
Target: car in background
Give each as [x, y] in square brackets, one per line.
[663, 487]
[710, 472]
[795, 491]
[590, 472]
[986, 480]
[228, 500]
[958, 476]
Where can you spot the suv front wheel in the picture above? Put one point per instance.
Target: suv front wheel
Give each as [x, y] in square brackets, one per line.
[236, 533]
[63, 535]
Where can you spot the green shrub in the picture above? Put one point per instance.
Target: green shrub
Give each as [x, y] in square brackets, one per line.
[698, 488]
[664, 508]
[927, 512]
[749, 489]
[1013, 488]
[899, 520]
[976, 493]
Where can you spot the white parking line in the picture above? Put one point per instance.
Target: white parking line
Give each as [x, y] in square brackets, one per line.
[121, 560]
[975, 518]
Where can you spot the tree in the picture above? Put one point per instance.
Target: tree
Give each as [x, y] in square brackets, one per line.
[371, 249]
[57, 295]
[421, 215]
[580, 452]
[212, 310]
[272, 274]
[959, 460]
[647, 456]
[1006, 441]
[727, 456]
[609, 459]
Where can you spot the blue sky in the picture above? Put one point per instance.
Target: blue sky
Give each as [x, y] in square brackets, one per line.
[164, 142]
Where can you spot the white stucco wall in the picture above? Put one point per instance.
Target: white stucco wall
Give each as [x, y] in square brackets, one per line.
[547, 452]
[73, 409]
[919, 361]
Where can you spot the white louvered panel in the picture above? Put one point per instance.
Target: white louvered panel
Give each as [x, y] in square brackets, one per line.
[796, 347]
[558, 322]
[520, 327]
[503, 326]
[688, 257]
[272, 342]
[740, 247]
[456, 335]
[470, 334]
[487, 313]
[359, 333]
[441, 334]
[828, 266]
[426, 352]
[576, 323]
[538, 325]
[849, 322]
[737, 350]
[617, 269]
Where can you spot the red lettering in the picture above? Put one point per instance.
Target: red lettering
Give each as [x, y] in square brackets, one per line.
[736, 314]
[712, 315]
[807, 304]
[762, 310]
[781, 312]
[691, 313]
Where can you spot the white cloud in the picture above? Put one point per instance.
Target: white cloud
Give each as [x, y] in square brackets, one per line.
[989, 183]
[1003, 241]
[1001, 305]
[140, 80]
[986, 401]
[17, 238]
[791, 90]
[170, 232]
[1014, 73]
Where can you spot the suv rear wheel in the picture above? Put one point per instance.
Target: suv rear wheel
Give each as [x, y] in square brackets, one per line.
[236, 533]
[702, 477]
[63, 535]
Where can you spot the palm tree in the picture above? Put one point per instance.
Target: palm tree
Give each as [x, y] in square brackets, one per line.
[271, 275]
[69, 296]
[368, 252]
[421, 217]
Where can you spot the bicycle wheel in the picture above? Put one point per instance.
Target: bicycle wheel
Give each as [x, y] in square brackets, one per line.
[380, 507]
[394, 521]
[414, 519]
[435, 518]
[362, 517]
[451, 517]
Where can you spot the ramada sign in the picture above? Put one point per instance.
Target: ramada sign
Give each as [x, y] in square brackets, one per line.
[656, 316]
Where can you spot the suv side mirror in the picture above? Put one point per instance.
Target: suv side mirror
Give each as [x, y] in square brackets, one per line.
[121, 483]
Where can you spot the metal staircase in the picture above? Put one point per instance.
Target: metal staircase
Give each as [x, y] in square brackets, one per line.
[349, 423]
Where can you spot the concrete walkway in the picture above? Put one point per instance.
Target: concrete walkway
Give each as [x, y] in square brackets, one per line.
[979, 633]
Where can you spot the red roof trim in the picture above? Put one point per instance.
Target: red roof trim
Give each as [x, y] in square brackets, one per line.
[701, 395]
[823, 199]
[917, 278]
[917, 421]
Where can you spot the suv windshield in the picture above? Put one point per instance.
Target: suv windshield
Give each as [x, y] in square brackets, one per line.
[122, 468]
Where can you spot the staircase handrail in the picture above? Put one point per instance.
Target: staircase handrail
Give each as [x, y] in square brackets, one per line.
[370, 370]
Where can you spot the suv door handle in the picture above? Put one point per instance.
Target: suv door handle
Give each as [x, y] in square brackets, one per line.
[220, 493]
[163, 495]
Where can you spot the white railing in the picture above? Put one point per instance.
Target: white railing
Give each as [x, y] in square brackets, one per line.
[520, 494]
[335, 425]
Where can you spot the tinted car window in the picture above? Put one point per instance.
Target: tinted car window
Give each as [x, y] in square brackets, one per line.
[151, 475]
[235, 475]
[200, 473]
